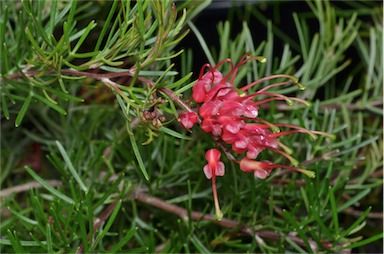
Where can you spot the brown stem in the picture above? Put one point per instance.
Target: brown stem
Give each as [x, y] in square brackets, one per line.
[141, 196]
[27, 186]
[131, 73]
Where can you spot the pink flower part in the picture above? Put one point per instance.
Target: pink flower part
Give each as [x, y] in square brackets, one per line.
[210, 108]
[233, 95]
[224, 93]
[229, 137]
[238, 149]
[232, 108]
[241, 143]
[187, 120]
[250, 110]
[211, 125]
[230, 124]
[199, 90]
[253, 151]
[212, 94]
[256, 129]
[260, 169]
[214, 77]
[214, 167]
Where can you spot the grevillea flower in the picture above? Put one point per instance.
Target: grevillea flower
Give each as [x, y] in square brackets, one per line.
[214, 168]
[230, 116]
[187, 120]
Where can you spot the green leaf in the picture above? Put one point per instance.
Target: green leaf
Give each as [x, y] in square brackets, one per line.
[128, 235]
[64, 96]
[70, 167]
[364, 242]
[34, 43]
[297, 228]
[106, 26]
[49, 187]
[354, 199]
[15, 242]
[52, 19]
[137, 154]
[202, 42]
[5, 107]
[22, 217]
[83, 231]
[48, 236]
[355, 225]
[335, 217]
[179, 82]
[50, 104]
[107, 225]
[182, 89]
[23, 243]
[199, 245]
[84, 34]
[20, 115]
[174, 133]
[107, 194]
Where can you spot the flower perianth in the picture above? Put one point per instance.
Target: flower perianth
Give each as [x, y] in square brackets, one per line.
[187, 120]
[262, 169]
[214, 168]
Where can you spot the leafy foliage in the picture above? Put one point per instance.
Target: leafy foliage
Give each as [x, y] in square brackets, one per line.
[93, 95]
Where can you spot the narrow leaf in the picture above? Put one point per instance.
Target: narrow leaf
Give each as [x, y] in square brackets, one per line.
[48, 236]
[15, 242]
[49, 187]
[123, 241]
[108, 224]
[4, 107]
[22, 217]
[174, 133]
[137, 154]
[22, 111]
[334, 210]
[365, 241]
[50, 104]
[202, 43]
[106, 25]
[70, 167]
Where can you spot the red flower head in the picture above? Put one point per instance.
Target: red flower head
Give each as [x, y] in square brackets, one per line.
[230, 116]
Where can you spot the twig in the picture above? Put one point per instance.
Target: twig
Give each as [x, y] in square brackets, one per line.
[27, 186]
[323, 157]
[131, 73]
[141, 196]
[350, 106]
[357, 214]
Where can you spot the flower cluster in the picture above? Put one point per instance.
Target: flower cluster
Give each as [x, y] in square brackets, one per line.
[230, 116]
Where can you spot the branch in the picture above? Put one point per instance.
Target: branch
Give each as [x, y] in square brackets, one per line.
[131, 73]
[141, 196]
[350, 106]
[27, 186]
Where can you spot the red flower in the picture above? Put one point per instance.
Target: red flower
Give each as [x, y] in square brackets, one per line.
[187, 120]
[214, 168]
[230, 116]
[262, 169]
